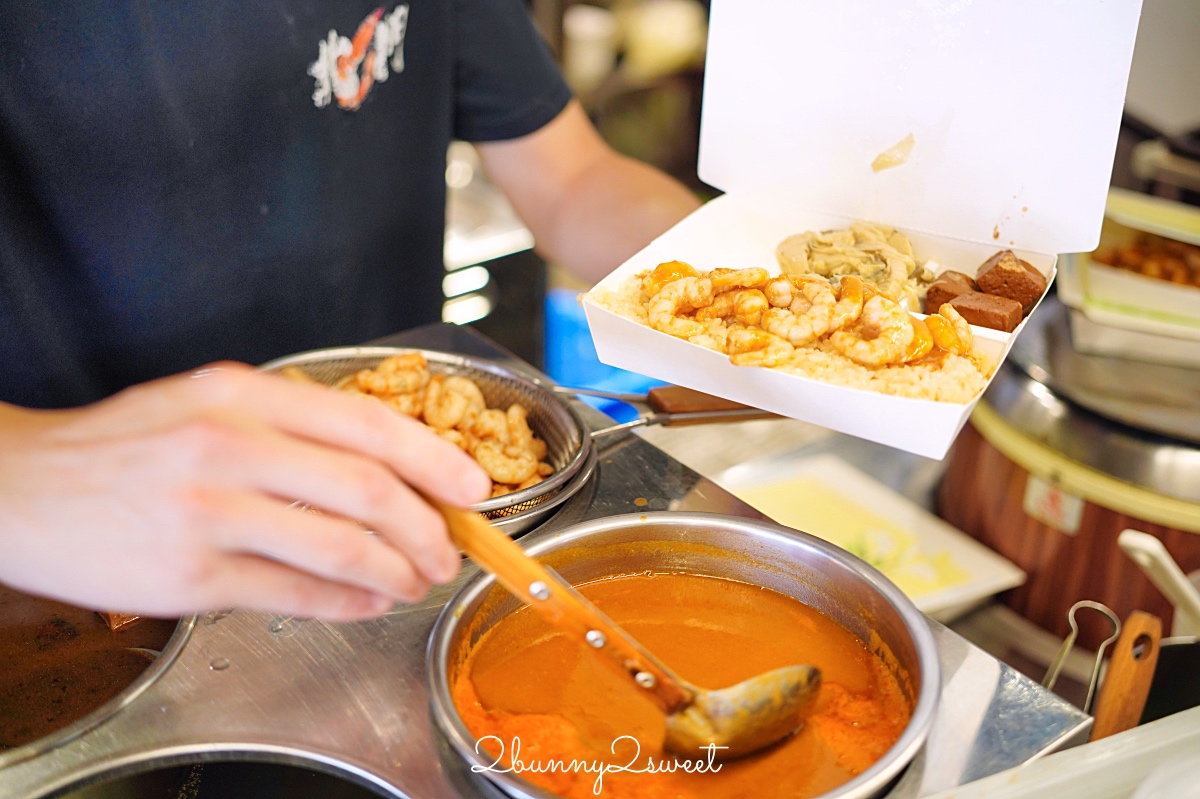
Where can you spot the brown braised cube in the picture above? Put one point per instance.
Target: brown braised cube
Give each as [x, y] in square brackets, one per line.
[947, 286]
[1005, 275]
[1039, 279]
[1006, 259]
[988, 310]
[959, 277]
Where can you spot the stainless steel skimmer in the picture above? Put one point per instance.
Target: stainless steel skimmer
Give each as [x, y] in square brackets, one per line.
[568, 440]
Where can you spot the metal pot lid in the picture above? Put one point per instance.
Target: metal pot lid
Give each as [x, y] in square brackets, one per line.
[1151, 397]
[1030, 398]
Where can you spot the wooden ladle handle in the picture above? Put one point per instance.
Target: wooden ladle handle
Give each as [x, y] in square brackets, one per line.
[563, 606]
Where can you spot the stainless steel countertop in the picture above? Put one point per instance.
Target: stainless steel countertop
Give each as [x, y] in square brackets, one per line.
[351, 698]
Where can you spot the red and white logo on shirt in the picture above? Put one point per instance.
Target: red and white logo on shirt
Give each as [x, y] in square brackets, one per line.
[346, 69]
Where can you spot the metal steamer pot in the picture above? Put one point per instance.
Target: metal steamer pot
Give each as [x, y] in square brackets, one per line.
[795, 564]
[1063, 453]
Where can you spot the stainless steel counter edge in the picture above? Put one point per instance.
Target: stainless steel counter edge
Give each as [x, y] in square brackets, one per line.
[351, 699]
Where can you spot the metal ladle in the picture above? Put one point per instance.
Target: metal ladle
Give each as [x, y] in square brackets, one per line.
[733, 721]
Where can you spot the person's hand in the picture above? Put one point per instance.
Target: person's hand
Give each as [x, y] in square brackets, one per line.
[173, 497]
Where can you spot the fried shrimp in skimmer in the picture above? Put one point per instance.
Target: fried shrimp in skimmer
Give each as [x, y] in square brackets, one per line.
[466, 386]
[505, 463]
[454, 407]
[399, 374]
[444, 408]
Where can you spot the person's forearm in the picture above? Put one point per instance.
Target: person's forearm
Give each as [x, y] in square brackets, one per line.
[613, 209]
[589, 208]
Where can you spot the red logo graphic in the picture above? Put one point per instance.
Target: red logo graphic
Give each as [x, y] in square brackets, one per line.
[346, 69]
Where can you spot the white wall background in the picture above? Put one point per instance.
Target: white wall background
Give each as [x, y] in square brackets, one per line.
[1164, 81]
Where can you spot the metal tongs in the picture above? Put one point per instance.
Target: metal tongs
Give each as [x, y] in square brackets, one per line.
[1068, 644]
[1119, 704]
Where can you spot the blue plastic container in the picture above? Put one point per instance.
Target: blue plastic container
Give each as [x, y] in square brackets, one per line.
[570, 357]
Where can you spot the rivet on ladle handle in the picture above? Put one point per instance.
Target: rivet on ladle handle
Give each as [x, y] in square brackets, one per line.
[549, 594]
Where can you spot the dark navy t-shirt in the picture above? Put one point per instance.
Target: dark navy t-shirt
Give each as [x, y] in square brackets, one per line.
[181, 183]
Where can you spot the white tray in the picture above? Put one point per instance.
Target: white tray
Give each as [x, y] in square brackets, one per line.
[940, 568]
[1112, 768]
[1096, 338]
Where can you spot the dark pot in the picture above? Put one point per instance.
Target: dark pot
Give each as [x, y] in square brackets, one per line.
[1176, 684]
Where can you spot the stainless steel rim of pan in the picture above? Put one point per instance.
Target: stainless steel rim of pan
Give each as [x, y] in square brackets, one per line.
[161, 662]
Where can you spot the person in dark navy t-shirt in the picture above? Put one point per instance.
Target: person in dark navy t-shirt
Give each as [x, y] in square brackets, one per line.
[230, 182]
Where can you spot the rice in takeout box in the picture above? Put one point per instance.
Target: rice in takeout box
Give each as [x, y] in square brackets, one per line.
[970, 128]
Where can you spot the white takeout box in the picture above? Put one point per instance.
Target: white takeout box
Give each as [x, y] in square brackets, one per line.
[1014, 106]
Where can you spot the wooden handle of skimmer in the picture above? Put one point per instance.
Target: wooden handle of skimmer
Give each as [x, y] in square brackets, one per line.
[562, 606]
[678, 400]
[1130, 671]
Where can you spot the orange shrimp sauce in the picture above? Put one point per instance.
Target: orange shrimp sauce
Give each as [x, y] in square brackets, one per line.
[524, 680]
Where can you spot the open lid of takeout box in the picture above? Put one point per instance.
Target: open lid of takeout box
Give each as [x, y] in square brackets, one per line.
[1013, 107]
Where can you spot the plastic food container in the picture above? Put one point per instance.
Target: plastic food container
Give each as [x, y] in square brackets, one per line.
[1096, 338]
[1126, 314]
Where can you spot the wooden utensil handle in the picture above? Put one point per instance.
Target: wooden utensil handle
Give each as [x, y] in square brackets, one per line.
[676, 399]
[562, 606]
[1127, 681]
